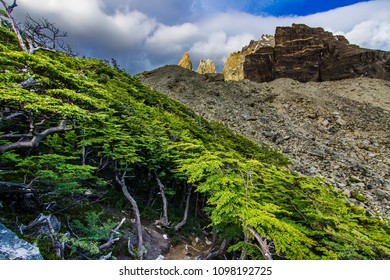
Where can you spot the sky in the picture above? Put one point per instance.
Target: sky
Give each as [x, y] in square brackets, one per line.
[145, 34]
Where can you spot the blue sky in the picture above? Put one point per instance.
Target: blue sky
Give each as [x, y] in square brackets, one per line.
[298, 7]
[145, 34]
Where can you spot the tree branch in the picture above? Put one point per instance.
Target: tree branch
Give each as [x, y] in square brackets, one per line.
[112, 240]
[264, 246]
[37, 138]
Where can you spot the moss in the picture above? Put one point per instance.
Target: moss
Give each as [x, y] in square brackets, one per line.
[358, 196]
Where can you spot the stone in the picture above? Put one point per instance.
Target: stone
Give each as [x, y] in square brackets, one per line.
[14, 248]
[206, 67]
[308, 54]
[185, 61]
[341, 122]
[347, 193]
[381, 193]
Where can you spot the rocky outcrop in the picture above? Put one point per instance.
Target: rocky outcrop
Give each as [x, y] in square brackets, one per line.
[308, 54]
[233, 69]
[13, 248]
[206, 67]
[185, 61]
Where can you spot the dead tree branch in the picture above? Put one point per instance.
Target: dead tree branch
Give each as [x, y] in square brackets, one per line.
[112, 240]
[219, 252]
[264, 246]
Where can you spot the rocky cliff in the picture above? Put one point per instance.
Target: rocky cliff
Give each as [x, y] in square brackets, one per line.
[308, 54]
[233, 69]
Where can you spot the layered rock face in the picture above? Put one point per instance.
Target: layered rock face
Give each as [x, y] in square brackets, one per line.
[185, 62]
[233, 69]
[308, 54]
[206, 67]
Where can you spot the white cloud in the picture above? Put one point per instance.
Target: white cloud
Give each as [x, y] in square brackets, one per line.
[373, 33]
[141, 35]
[218, 46]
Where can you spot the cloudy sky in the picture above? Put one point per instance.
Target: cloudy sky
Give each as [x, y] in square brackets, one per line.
[145, 34]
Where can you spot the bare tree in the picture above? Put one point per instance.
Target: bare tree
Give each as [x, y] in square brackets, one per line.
[44, 35]
[39, 34]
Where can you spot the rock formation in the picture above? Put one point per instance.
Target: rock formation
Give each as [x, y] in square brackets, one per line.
[185, 61]
[311, 54]
[13, 248]
[233, 69]
[206, 67]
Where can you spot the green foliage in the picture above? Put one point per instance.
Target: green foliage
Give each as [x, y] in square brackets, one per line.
[302, 217]
[120, 126]
[90, 233]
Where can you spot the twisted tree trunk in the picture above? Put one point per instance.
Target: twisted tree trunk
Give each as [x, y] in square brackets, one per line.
[184, 221]
[164, 220]
[122, 183]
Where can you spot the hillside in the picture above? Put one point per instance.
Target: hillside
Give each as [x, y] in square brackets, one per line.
[338, 130]
[86, 145]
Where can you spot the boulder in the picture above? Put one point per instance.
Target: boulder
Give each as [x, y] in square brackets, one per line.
[185, 61]
[14, 248]
[206, 67]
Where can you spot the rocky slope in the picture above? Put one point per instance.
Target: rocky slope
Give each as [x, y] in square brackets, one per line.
[307, 54]
[339, 130]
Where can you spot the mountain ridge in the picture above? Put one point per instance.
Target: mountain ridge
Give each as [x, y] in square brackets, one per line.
[306, 54]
